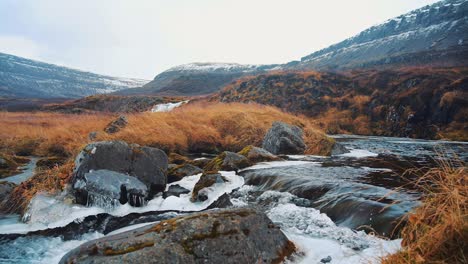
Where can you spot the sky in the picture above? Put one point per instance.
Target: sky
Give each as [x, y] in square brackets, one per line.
[141, 38]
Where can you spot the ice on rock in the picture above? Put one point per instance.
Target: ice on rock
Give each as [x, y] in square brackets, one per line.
[108, 189]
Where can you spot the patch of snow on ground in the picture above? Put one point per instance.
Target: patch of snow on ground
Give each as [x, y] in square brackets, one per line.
[167, 107]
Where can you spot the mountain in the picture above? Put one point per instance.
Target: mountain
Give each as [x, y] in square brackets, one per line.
[413, 102]
[196, 79]
[435, 35]
[25, 78]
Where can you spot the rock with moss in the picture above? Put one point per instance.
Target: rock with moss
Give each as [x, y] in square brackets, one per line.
[180, 171]
[116, 125]
[178, 159]
[148, 165]
[256, 154]
[284, 139]
[228, 161]
[221, 236]
[206, 180]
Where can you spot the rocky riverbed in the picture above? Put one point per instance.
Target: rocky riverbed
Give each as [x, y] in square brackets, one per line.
[299, 208]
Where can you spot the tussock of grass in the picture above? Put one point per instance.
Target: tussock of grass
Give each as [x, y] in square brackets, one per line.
[437, 231]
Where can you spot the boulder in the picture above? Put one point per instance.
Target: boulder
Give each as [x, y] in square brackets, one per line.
[228, 161]
[338, 149]
[109, 188]
[201, 162]
[175, 190]
[178, 172]
[222, 236]
[222, 202]
[148, 165]
[284, 139]
[5, 189]
[206, 180]
[116, 125]
[256, 154]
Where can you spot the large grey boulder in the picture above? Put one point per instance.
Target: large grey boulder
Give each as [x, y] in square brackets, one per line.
[221, 236]
[105, 187]
[284, 139]
[148, 165]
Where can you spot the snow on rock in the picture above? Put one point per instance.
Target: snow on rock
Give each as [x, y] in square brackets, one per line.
[167, 107]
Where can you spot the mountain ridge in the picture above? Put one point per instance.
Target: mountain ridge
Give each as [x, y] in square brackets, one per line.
[25, 78]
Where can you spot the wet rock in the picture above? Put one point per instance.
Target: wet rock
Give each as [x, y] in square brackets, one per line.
[116, 125]
[3, 163]
[206, 180]
[284, 139]
[178, 172]
[228, 161]
[104, 187]
[256, 154]
[5, 189]
[222, 202]
[148, 165]
[339, 149]
[326, 260]
[223, 236]
[175, 190]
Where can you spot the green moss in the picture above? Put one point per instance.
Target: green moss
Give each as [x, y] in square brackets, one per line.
[245, 151]
[216, 163]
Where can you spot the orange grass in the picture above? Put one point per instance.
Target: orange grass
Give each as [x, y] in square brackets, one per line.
[437, 231]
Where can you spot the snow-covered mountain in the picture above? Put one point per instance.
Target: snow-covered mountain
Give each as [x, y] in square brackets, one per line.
[196, 78]
[25, 78]
[435, 35]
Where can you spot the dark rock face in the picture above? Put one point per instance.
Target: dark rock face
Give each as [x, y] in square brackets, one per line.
[148, 165]
[116, 125]
[104, 187]
[284, 139]
[256, 154]
[222, 202]
[228, 161]
[224, 236]
[175, 190]
[178, 172]
[206, 180]
[5, 189]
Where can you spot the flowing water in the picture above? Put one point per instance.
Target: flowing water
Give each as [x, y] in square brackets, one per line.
[326, 205]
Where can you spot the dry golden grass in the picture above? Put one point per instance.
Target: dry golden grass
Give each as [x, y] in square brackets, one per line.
[197, 127]
[437, 231]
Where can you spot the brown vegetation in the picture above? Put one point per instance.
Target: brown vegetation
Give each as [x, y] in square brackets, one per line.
[198, 127]
[411, 102]
[437, 231]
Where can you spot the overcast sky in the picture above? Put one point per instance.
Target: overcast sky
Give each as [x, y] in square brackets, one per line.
[140, 38]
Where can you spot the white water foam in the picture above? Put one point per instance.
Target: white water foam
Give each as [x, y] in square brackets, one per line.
[359, 153]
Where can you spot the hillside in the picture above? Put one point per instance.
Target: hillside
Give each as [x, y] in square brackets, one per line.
[196, 79]
[25, 78]
[417, 102]
[435, 35]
